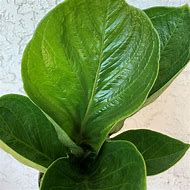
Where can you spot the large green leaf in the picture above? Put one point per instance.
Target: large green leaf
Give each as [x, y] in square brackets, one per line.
[173, 26]
[159, 151]
[89, 64]
[28, 135]
[118, 166]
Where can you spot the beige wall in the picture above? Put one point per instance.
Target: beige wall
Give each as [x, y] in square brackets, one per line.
[170, 114]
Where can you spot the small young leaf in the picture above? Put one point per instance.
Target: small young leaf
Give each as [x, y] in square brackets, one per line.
[173, 26]
[118, 166]
[159, 151]
[27, 134]
[89, 64]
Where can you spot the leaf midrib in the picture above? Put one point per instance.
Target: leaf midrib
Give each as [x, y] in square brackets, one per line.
[97, 72]
[168, 155]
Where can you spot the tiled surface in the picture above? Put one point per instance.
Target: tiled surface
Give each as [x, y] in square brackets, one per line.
[169, 114]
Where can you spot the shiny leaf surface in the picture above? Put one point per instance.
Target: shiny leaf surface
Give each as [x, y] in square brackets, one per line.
[90, 64]
[159, 151]
[28, 135]
[173, 26]
[118, 166]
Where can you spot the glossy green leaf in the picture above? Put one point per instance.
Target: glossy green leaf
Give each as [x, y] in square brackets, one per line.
[173, 26]
[159, 151]
[118, 166]
[90, 64]
[28, 135]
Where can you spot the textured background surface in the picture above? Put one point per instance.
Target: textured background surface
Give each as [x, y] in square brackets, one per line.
[169, 114]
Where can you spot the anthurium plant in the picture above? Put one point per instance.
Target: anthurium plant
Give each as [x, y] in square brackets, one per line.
[90, 65]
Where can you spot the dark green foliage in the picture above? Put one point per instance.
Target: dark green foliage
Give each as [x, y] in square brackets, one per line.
[90, 65]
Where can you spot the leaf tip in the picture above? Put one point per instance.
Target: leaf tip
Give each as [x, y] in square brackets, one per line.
[186, 7]
[188, 146]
